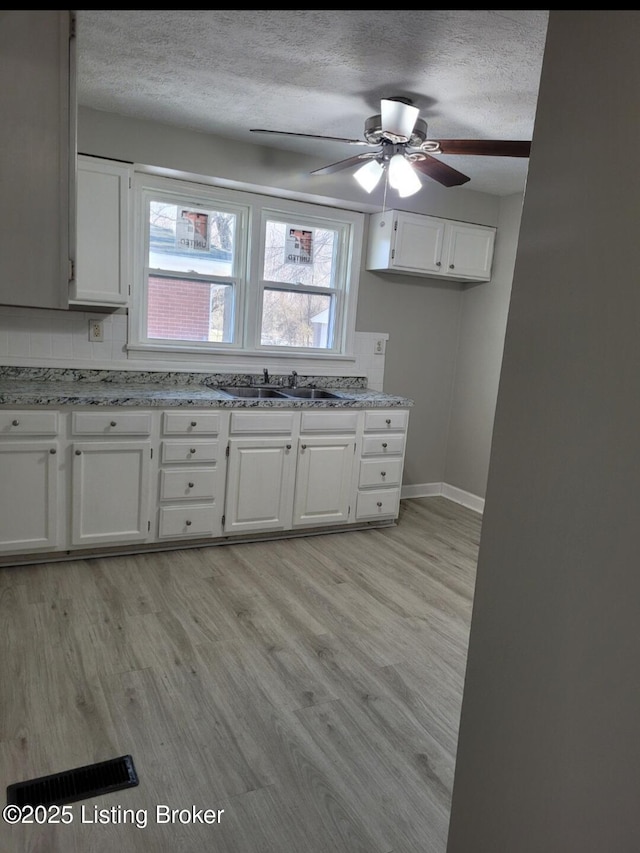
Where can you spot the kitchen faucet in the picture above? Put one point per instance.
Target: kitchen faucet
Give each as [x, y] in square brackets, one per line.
[266, 376]
[293, 379]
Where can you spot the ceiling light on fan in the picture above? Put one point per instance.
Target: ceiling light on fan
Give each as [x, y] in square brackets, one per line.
[398, 118]
[402, 176]
[369, 175]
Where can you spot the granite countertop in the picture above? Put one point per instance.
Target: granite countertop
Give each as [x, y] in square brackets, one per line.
[64, 387]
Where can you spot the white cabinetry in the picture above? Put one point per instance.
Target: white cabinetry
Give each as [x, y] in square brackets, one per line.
[102, 269]
[260, 472]
[414, 244]
[324, 474]
[29, 484]
[191, 476]
[37, 156]
[381, 463]
[110, 486]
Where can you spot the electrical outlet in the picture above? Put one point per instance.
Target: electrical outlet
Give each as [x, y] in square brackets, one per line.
[96, 330]
[379, 346]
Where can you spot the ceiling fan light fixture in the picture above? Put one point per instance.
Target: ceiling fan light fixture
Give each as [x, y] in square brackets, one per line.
[369, 175]
[402, 176]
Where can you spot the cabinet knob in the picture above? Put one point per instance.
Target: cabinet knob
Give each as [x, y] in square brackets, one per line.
[379, 503]
[452, 266]
[15, 423]
[288, 446]
[384, 443]
[438, 263]
[78, 452]
[114, 423]
[188, 523]
[52, 450]
[303, 446]
[190, 485]
[194, 423]
[383, 473]
[192, 450]
[388, 421]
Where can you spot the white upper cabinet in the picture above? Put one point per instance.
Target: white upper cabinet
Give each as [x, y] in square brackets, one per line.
[37, 156]
[102, 268]
[414, 244]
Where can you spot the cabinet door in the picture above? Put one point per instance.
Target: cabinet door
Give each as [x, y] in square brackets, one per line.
[418, 243]
[259, 484]
[469, 251]
[111, 489]
[28, 495]
[37, 150]
[103, 223]
[324, 481]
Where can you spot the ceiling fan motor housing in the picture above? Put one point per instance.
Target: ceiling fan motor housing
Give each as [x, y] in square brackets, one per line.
[374, 135]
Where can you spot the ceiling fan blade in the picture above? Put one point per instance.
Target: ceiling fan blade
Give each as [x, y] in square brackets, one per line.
[311, 136]
[398, 118]
[487, 147]
[440, 172]
[343, 164]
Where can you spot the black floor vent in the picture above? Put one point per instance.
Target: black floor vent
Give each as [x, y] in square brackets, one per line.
[81, 783]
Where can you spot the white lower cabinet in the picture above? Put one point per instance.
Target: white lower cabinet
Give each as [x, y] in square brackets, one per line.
[29, 495]
[260, 476]
[94, 477]
[110, 492]
[381, 464]
[191, 475]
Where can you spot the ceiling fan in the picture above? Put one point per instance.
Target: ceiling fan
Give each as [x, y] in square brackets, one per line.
[403, 150]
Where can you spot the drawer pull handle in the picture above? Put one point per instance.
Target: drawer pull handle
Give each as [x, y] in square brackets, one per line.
[383, 473]
[190, 485]
[379, 503]
[194, 423]
[288, 446]
[15, 423]
[192, 450]
[384, 443]
[188, 523]
[388, 421]
[78, 452]
[113, 423]
[52, 450]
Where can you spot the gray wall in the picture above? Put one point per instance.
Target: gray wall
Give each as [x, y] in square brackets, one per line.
[549, 753]
[483, 319]
[421, 315]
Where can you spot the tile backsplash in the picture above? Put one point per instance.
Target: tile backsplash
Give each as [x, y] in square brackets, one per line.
[42, 337]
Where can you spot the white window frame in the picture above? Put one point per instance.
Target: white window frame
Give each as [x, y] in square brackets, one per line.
[253, 211]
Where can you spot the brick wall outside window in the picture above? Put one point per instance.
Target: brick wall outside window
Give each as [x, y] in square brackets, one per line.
[178, 310]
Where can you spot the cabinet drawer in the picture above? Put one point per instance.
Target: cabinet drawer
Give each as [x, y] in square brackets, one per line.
[111, 423]
[385, 419]
[269, 422]
[383, 472]
[14, 422]
[329, 421]
[189, 484]
[378, 503]
[191, 423]
[187, 521]
[382, 445]
[190, 451]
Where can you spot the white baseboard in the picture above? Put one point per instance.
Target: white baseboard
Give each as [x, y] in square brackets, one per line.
[429, 490]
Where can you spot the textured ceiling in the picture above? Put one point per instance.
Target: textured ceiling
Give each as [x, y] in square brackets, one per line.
[473, 74]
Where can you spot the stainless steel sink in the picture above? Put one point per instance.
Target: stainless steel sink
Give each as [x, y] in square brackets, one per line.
[309, 394]
[250, 392]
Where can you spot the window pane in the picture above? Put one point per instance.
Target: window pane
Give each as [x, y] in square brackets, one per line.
[191, 239]
[183, 310]
[299, 255]
[291, 319]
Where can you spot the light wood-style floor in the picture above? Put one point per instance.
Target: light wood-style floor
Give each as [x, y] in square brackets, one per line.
[309, 687]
